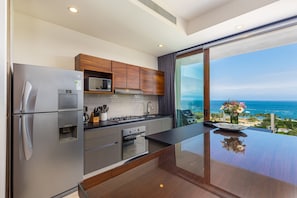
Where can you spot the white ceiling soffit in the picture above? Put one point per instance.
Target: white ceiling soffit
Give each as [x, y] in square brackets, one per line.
[159, 10]
[272, 39]
[203, 14]
[132, 24]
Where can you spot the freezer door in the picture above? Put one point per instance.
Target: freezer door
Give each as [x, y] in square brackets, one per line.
[36, 88]
[55, 162]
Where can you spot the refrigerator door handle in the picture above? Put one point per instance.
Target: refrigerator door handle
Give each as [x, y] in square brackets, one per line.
[25, 96]
[26, 137]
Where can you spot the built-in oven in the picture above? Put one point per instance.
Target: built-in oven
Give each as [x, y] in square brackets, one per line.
[134, 142]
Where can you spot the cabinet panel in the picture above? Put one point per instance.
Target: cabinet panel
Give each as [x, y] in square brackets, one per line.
[102, 147]
[133, 77]
[146, 81]
[94, 67]
[159, 125]
[97, 159]
[152, 81]
[86, 62]
[120, 74]
[160, 83]
[125, 76]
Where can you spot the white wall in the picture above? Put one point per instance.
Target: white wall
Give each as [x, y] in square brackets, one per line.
[3, 93]
[41, 43]
[122, 105]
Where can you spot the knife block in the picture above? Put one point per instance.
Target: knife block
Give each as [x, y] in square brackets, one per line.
[94, 119]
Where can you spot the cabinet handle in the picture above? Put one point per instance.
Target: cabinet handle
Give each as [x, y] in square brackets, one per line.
[101, 147]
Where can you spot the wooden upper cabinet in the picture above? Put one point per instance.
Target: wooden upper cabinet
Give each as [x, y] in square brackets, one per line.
[146, 82]
[94, 67]
[152, 81]
[119, 74]
[160, 83]
[91, 63]
[125, 76]
[133, 77]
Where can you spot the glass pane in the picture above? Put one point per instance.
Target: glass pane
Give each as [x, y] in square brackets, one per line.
[262, 74]
[189, 89]
[189, 155]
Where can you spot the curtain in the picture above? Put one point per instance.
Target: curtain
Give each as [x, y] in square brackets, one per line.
[166, 64]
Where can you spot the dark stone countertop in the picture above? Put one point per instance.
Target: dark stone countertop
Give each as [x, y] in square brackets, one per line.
[179, 134]
[108, 123]
[92, 125]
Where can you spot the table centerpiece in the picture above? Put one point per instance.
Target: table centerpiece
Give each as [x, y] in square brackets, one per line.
[233, 108]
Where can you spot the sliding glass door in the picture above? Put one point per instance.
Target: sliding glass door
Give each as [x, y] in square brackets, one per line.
[190, 76]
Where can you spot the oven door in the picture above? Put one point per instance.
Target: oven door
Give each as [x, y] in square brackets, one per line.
[134, 145]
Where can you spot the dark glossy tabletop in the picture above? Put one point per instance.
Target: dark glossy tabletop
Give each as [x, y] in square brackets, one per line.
[251, 163]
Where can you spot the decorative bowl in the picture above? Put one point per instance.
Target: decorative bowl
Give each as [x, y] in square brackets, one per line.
[230, 127]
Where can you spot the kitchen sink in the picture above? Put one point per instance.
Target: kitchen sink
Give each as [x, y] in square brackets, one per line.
[152, 116]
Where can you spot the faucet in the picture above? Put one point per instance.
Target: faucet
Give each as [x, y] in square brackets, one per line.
[149, 107]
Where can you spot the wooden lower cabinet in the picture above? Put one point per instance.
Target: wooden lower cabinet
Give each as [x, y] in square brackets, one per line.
[152, 81]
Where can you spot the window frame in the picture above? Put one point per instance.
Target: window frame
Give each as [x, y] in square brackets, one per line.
[206, 78]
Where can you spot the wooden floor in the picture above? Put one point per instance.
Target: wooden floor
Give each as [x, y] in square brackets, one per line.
[148, 181]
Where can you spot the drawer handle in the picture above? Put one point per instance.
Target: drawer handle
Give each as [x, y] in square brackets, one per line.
[101, 147]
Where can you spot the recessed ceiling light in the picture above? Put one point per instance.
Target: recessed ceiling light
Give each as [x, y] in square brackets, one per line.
[73, 9]
[239, 27]
[160, 45]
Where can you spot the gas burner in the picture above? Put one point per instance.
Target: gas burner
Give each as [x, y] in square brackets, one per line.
[126, 119]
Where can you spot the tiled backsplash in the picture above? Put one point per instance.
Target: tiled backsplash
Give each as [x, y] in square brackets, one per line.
[121, 105]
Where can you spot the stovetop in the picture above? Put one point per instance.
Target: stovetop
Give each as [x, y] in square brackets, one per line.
[121, 120]
[126, 119]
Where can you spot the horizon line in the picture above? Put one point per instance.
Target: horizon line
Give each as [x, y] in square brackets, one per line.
[248, 100]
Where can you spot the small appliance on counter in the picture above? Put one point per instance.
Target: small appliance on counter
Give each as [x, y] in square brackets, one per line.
[99, 113]
[103, 112]
[95, 115]
[86, 117]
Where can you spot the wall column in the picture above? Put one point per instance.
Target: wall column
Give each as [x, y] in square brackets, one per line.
[3, 92]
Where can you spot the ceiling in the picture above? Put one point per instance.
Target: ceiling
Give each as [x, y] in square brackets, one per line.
[132, 24]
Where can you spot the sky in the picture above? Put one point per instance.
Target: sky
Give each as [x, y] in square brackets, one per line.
[269, 74]
[192, 79]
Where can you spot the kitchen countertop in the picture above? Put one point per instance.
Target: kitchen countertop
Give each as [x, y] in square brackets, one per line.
[107, 123]
[92, 125]
[179, 134]
[206, 162]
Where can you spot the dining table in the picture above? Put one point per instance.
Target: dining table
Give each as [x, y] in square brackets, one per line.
[199, 160]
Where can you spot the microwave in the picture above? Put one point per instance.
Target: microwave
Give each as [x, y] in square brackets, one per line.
[97, 84]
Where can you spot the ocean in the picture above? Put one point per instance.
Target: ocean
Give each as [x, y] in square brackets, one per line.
[283, 109]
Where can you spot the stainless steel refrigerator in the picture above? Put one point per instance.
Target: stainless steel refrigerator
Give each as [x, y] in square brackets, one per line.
[47, 126]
